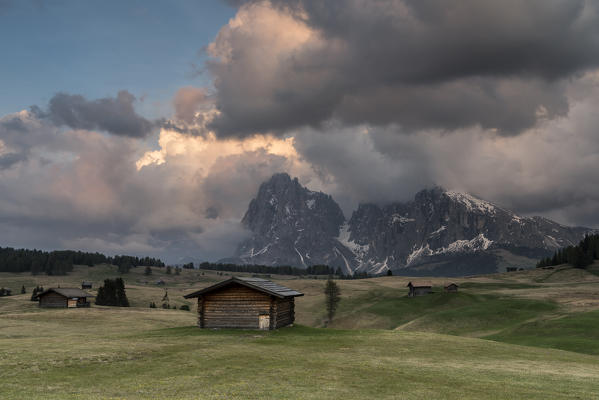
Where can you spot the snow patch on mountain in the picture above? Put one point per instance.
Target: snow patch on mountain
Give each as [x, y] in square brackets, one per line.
[479, 243]
[438, 231]
[472, 203]
[359, 250]
[396, 218]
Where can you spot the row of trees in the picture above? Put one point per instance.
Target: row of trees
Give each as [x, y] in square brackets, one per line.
[282, 270]
[579, 256]
[61, 262]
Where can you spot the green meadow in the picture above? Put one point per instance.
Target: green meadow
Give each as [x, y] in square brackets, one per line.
[521, 335]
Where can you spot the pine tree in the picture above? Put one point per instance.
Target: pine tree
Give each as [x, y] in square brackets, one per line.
[148, 271]
[112, 293]
[23, 291]
[332, 298]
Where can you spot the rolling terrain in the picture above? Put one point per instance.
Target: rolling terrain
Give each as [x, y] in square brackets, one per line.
[528, 334]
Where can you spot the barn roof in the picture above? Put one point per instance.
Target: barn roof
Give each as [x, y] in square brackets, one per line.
[420, 284]
[67, 292]
[259, 284]
[452, 284]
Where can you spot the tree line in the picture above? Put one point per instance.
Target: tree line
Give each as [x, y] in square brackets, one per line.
[60, 262]
[579, 256]
[318, 269]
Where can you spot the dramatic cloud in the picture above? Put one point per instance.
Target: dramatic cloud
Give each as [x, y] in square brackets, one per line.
[188, 101]
[418, 64]
[88, 190]
[548, 170]
[369, 101]
[113, 115]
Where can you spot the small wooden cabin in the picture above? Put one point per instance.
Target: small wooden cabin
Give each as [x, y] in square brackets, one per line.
[63, 298]
[86, 285]
[246, 303]
[419, 288]
[452, 288]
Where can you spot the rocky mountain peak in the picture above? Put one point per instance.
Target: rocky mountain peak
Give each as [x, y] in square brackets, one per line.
[439, 232]
[291, 225]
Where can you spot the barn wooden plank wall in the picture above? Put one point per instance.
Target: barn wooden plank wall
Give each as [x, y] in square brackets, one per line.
[53, 300]
[238, 306]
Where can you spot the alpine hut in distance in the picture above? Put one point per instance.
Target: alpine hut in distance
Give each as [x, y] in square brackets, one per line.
[63, 298]
[246, 303]
[419, 288]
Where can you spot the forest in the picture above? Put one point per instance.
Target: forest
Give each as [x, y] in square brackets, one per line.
[61, 262]
[579, 256]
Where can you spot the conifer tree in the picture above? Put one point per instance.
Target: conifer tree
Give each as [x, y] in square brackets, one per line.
[332, 298]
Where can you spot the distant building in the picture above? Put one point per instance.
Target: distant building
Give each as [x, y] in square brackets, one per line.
[160, 282]
[247, 303]
[452, 287]
[86, 285]
[419, 288]
[63, 298]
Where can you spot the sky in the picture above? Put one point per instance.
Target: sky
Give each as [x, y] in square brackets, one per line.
[147, 127]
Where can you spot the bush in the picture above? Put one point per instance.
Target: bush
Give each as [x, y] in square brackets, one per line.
[184, 307]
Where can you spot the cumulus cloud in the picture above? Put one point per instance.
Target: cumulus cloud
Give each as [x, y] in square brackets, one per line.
[188, 101]
[418, 64]
[367, 101]
[113, 115]
[87, 190]
[548, 170]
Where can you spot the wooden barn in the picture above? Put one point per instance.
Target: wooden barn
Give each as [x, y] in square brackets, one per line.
[452, 288]
[247, 303]
[63, 298]
[419, 288]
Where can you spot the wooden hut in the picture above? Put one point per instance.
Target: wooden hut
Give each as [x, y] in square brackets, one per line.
[247, 303]
[452, 288]
[86, 285]
[63, 298]
[419, 288]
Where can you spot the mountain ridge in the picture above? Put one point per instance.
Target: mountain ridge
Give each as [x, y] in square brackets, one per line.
[438, 232]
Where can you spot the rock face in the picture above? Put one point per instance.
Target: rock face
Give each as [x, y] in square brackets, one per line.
[440, 232]
[449, 233]
[292, 225]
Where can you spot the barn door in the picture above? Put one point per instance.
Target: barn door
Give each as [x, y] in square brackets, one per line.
[264, 322]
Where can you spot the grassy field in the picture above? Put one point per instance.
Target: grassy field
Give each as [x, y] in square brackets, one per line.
[526, 335]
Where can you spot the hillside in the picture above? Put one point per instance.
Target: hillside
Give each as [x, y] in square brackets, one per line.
[380, 344]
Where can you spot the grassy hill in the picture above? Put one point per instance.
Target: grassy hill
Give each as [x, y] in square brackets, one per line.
[381, 344]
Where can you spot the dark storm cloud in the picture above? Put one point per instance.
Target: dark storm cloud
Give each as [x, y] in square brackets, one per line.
[113, 115]
[418, 64]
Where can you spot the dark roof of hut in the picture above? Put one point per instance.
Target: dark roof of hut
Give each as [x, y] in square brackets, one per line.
[67, 292]
[452, 284]
[418, 284]
[259, 284]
